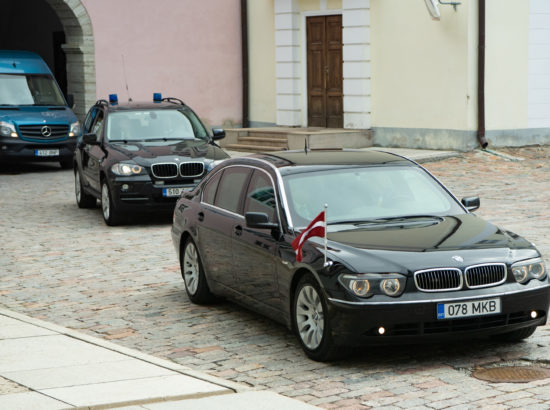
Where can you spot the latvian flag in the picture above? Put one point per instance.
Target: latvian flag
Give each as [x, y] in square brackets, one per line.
[316, 227]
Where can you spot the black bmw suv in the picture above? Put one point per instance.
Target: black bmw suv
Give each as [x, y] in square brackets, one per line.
[141, 156]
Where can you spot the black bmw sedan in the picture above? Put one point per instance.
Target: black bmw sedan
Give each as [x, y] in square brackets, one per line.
[140, 156]
[398, 258]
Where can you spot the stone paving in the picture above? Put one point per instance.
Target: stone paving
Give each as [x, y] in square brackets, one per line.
[62, 264]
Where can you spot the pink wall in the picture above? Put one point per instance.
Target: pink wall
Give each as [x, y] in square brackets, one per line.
[190, 49]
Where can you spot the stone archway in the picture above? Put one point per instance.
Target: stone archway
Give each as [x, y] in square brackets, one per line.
[79, 50]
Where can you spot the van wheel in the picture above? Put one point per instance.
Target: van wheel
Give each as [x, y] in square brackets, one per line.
[66, 163]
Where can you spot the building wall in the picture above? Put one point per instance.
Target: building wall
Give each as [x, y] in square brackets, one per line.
[539, 64]
[190, 50]
[261, 60]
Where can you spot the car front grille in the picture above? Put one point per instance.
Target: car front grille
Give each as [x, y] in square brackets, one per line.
[446, 279]
[165, 170]
[191, 169]
[437, 280]
[485, 275]
[43, 131]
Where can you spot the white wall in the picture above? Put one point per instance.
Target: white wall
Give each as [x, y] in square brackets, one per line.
[539, 64]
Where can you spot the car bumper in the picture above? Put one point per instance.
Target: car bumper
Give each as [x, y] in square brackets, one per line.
[17, 149]
[356, 324]
[141, 194]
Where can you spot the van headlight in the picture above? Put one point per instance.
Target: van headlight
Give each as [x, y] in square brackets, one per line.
[524, 271]
[7, 129]
[366, 285]
[75, 129]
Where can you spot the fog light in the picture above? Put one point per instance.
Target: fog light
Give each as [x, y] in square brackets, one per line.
[381, 330]
[4, 147]
[13, 135]
[534, 314]
[125, 187]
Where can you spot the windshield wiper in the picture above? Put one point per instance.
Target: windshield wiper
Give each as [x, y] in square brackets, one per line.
[353, 221]
[163, 139]
[123, 141]
[379, 221]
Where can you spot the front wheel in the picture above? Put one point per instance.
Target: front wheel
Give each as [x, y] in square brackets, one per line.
[110, 213]
[193, 276]
[310, 321]
[66, 163]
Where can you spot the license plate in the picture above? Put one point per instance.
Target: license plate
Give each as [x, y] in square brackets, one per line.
[170, 192]
[465, 309]
[46, 152]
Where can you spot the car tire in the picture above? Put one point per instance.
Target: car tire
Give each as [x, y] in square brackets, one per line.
[193, 275]
[110, 214]
[66, 163]
[516, 335]
[310, 321]
[83, 200]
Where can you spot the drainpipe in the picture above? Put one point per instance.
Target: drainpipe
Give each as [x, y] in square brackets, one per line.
[481, 76]
[244, 47]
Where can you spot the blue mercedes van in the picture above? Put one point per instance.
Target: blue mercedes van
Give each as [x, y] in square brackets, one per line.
[36, 122]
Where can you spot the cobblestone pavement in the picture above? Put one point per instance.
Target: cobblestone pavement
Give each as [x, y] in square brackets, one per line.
[62, 264]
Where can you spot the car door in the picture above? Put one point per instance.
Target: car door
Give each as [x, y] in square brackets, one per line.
[93, 155]
[255, 250]
[221, 211]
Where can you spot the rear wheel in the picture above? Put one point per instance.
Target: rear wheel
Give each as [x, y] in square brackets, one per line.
[83, 199]
[516, 335]
[310, 320]
[193, 276]
[110, 213]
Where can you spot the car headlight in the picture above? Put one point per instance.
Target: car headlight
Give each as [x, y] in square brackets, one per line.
[126, 169]
[74, 131]
[367, 284]
[214, 164]
[524, 271]
[7, 129]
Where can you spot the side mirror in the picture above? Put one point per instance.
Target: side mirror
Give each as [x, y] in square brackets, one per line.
[70, 101]
[218, 134]
[90, 139]
[259, 220]
[471, 203]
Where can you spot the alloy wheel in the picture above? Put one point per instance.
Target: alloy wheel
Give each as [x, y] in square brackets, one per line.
[105, 201]
[77, 187]
[310, 317]
[191, 268]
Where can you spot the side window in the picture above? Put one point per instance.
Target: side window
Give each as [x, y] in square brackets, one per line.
[209, 192]
[89, 119]
[98, 123]
[261, 196]
[231, 187]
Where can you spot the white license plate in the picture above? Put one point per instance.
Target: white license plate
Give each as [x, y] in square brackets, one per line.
[170, 192]
[46, 152]
[465, 309]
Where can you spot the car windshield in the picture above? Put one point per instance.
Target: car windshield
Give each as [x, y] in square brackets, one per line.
[25, 89]
[155, 125]
[366, 195]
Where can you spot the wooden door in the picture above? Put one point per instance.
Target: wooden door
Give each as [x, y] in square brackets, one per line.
[324, 72]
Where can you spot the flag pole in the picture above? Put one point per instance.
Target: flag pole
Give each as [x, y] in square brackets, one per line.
[325, 264]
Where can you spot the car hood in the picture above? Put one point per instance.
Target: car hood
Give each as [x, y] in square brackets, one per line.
[459, 241]
[146, 153]
[37, 115]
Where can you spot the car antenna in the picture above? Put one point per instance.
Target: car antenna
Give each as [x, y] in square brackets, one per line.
[125, 78]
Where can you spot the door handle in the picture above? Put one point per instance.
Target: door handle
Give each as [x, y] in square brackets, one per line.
[238, 230]
[201, 216]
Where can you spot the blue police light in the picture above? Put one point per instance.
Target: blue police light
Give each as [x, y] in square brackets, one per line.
[113, 98]
[157, 97]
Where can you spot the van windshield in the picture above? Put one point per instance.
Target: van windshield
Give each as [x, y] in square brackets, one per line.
[33, 89]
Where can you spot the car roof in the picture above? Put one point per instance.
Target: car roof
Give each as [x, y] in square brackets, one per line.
[140, 105]
[22, 62]
[297, 160]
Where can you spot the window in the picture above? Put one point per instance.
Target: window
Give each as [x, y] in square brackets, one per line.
[231, 187]
[209, 192]
[89, 120]
[96, 129]
[261, 196]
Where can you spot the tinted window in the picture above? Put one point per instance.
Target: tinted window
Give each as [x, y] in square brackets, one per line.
[89, 119]
[96, 129]
[231, 188]
[209, 192]
[261, 196]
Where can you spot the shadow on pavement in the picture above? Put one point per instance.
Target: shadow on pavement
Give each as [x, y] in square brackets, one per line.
[16, 168]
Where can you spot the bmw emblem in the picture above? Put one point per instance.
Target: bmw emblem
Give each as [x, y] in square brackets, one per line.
[458, 258]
